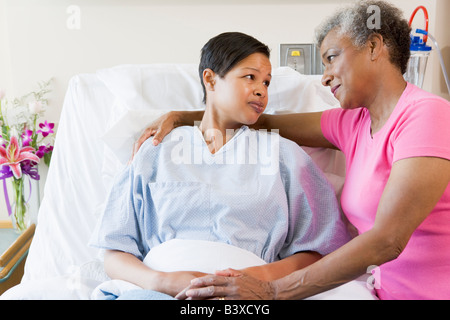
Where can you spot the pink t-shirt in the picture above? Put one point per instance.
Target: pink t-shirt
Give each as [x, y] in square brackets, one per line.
[418, 126]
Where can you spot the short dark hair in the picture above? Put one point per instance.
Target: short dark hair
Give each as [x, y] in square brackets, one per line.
[223, 52]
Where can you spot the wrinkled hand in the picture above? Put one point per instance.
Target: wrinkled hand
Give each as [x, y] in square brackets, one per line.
[158, 129]
[229, 284]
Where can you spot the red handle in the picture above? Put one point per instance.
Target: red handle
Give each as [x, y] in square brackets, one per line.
[425, 12]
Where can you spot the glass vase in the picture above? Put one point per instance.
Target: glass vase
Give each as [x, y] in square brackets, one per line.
[20, 213]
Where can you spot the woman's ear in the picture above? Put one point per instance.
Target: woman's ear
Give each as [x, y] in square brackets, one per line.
[209, 77]
[376, 45]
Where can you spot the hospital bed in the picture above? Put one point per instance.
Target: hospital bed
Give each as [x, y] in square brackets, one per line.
[103, 115]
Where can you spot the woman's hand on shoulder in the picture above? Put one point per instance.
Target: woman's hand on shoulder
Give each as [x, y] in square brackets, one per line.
[158, 129]
[162, 126]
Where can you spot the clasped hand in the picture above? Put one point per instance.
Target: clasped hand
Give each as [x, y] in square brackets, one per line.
[227, 284]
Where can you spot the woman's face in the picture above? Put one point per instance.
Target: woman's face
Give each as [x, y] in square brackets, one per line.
[347, 70]
[240, 97]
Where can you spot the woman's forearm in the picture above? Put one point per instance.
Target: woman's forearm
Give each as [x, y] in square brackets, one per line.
[281, 268]
[339, 267]
[125, 266]
[406, 202]
[302, 128]
[188, 118]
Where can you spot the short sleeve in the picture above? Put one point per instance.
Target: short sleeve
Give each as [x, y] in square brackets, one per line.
[423, 130]
[314, 217]
[118, 227]
[338, 126]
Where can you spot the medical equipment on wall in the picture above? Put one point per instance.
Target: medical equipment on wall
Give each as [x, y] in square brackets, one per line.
[304, 58]
[420, 52]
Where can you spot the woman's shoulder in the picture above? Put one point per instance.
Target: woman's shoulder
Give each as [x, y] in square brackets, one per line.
[418, 105]
[414, 95]
[285, 150]
[174, 137]
[345, 118]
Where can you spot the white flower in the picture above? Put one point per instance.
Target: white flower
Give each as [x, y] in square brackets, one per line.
[35, 107]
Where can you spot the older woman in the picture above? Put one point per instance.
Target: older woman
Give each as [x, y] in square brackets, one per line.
[396, 139]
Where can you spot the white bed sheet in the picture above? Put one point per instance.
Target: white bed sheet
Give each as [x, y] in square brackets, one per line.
[89, 149]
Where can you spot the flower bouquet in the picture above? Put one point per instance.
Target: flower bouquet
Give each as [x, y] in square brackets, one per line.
[23, 143]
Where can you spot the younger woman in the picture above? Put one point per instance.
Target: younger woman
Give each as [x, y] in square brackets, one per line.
[222, 182]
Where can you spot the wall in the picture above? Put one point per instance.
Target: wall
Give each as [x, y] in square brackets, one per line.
[442, 35]
[43, 39]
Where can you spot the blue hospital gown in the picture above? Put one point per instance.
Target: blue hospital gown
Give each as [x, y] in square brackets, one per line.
[259, 192]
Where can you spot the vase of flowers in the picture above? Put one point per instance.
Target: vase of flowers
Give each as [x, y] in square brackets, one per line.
[24, 142]
[20, 214]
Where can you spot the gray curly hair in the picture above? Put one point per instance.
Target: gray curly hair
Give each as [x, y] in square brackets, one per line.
[353, 21]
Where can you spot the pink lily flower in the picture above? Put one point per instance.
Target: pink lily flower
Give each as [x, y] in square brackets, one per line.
[13, 155]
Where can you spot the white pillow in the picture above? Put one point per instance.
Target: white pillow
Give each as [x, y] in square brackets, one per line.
[143, 93]
[156, 86]
[199, 255]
